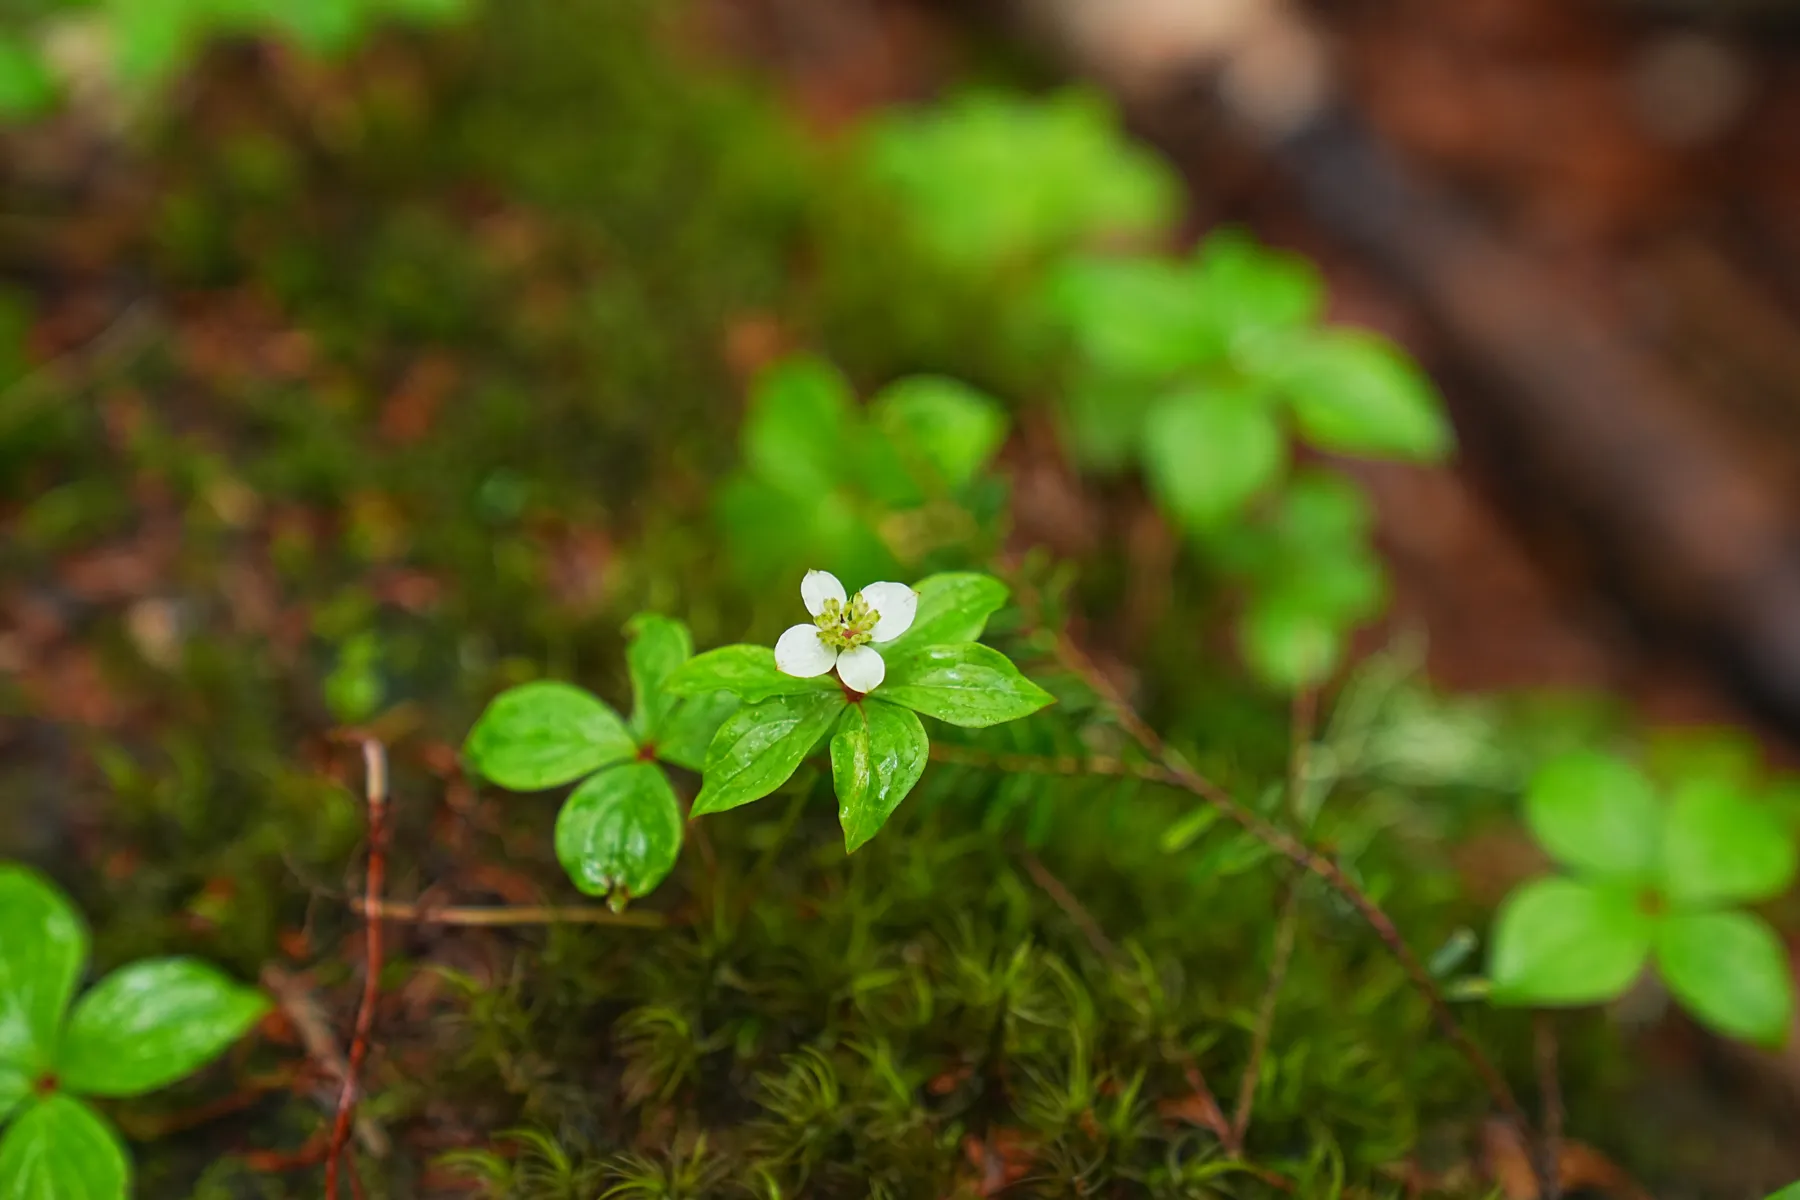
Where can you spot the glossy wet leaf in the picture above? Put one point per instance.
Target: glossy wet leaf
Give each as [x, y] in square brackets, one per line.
[689, 729]
[545, 734]
[151, 1023]
[1719, 847]
[1730, 970]
[60, 1149]
[747, 672]
[43, 947]
[877, 755]
[760, 745]
[1596, 813]
[1567, 942]
[965, 684]
[620, 829]
[657, 647]
[953, 607]
[15, 1086]
[1208, 452]
[1354, 393]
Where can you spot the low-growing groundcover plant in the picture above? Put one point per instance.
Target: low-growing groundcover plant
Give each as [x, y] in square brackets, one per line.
[1650, 880]
[139, 1029]
[746, 716]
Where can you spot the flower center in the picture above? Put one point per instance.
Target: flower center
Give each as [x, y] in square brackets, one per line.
[844, 626]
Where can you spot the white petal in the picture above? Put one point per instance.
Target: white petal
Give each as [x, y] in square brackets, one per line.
[861, 668]
[897, 604]
[800, 652]
[817, 588]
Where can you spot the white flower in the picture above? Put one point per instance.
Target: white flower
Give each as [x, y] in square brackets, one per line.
[841, 630]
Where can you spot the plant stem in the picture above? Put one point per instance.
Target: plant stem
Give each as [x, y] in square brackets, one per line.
[507, 915]
[376, 792]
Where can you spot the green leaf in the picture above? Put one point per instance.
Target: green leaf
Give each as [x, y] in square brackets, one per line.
[1169, 327]
[1790, 1192]
[658, 646]
[1729, 970]
[1289, 641]
[60, 1149]
[953, 607]
[152, 36]
[15, 1086]
[747, 672]
[151, 1023]
[690, 728]
[1260, 294]
[877, 755]
[1719, 848]
[1564, 942]
[945, 426]
[760, 746]
[1596, 813]
[43, 946]
[620, 830]
[26, 86]
[1355, 393]
[545, 734]
[1208, 452]
[965, 683]
[800, 421]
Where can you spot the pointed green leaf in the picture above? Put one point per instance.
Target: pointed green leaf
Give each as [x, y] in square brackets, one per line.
[799, 423]
[760, 745]
[1729, 970]
[43, 947]
[658, 646]
[953, 607]
[151, 1023]
[1596, 813]
[620, 829]
[942, 426]
[1208, 452]
[15, 1086]
[1790, 1192]
[747, 672]
[60, 1149]
[1719, 848]
[1564, 942]
[690, 728]
[965, 683]
[877, 755]
[545, 734]
[1356, 393]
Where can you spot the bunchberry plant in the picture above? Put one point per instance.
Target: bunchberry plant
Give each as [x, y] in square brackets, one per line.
[1650, 878]
[619, 832]
[874, 490]
[1203, 372]
[928, 662]
[141, 1028]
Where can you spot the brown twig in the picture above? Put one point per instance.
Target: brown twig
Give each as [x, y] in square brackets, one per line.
[506, 915]
[1549, 1157]
[1071, 906]
[376, 789]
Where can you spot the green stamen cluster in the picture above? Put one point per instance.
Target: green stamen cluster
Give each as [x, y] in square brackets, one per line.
[843, 626]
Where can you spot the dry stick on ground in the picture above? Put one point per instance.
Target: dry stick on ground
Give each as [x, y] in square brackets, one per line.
[496, 916]
[375, 789]
[1549, 1164]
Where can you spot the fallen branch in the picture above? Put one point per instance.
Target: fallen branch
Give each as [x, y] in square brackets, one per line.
[495, 916]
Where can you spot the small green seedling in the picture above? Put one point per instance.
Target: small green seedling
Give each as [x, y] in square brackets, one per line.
[1202, 373]
[866, 489]
[1650, 879]
[619, 832]
[897, 652]
[141, 1028]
